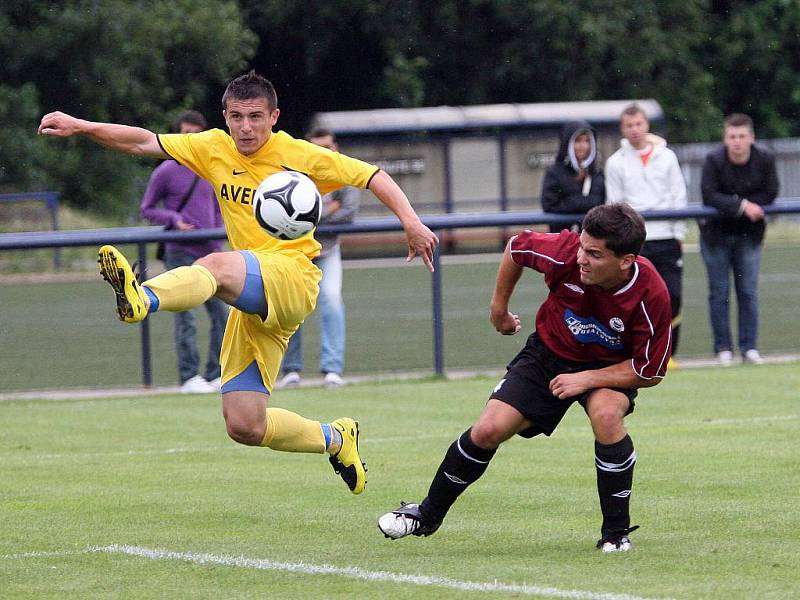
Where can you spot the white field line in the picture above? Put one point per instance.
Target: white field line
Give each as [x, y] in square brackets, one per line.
[751, 420]
[303, 568]
[198, 449]
[369, 441]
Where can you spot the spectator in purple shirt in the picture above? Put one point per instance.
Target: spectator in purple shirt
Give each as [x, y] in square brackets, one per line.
[178, 199]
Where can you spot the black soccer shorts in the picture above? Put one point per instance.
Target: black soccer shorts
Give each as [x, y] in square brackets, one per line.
[526, 387]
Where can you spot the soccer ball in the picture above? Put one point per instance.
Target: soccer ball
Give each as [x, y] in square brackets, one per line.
[287, 205]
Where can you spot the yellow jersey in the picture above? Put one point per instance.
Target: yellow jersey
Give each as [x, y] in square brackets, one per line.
[213, 156]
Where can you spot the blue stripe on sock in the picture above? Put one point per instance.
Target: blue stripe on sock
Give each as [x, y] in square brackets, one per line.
[153, 299]
[326, 431]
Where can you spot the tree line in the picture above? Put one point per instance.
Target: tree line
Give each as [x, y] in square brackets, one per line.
[142, 63]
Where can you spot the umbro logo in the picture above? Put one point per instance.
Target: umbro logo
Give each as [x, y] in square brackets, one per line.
[622, 494]
[454, 479]
[235, 172]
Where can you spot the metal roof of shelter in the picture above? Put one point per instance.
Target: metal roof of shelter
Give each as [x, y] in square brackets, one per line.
[393, 121]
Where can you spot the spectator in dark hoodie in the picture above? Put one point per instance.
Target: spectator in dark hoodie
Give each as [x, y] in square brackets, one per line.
[574, 183]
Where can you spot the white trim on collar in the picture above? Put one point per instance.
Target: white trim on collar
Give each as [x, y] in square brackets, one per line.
[631, 282]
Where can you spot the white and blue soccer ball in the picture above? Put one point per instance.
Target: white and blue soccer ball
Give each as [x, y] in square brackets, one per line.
[287, 205]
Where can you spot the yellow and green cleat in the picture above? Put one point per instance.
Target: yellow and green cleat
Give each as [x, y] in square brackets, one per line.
[132, 302]
[347, 463]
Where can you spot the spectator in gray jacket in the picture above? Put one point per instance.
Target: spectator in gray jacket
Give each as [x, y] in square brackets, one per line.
[337, 207]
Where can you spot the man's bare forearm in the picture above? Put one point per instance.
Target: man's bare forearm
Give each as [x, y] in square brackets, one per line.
[122, 138]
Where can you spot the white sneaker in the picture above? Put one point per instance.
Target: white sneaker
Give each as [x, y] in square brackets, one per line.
[291, 379]
[725, 358]
[752, 357]
[216, 383]
[333, 380]
[197, 385]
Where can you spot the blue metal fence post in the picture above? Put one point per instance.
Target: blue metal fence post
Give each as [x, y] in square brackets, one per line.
[147, 369]
[51, 198]
[438, 321]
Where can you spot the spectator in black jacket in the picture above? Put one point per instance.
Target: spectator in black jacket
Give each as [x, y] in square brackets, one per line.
[575, 182]
[739, 178]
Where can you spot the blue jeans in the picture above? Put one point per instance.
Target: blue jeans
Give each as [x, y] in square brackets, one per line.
[186, 329]
[738, 254]
[332, 320]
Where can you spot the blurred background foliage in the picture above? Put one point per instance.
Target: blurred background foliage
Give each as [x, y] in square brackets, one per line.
[143, 62]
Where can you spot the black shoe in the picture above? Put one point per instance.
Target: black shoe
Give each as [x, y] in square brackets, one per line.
[616, 541]
[405, 520]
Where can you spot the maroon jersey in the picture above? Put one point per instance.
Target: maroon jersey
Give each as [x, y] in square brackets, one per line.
[584, 323]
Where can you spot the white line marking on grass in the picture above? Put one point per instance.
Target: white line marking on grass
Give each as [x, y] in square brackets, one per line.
[354, 573]
[408, 438]
[204, 449]
[747, 420]
[323, 569]
[154, 451]
[43, 554]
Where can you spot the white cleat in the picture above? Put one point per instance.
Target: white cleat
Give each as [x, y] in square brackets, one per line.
[617, 541]
[622, 544]
[404, 521]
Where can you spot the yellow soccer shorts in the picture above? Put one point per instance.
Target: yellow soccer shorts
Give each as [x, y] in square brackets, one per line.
[290, 286]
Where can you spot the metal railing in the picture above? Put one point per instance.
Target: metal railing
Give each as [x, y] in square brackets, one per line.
[141, 236]
[51, 201]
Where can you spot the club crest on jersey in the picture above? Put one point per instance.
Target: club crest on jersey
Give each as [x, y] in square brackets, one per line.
[574, 287]
[588, 330]
[617, 324]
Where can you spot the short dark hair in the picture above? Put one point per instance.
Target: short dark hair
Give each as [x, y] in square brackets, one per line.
[319, 132]
[738, 120]
[189, 116]
[619, 225]
[248, 87]
[633, 109]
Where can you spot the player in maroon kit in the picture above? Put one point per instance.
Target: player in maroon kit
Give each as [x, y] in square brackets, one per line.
[602, 333]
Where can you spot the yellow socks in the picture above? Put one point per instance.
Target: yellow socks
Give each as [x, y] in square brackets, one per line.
[182, 288]
[289, 432]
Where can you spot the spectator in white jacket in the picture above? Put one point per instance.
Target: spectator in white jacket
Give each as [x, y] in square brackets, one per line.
[646, 174]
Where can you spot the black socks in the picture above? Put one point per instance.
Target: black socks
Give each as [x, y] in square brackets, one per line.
[615, 464]
[463, 464]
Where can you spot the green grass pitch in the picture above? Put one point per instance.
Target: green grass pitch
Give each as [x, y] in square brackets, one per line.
[147, 498]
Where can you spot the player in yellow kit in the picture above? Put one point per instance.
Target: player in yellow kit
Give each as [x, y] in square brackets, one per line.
[271, 284]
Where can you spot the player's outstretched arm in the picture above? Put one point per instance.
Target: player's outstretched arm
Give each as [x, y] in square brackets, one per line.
[508, 275]
[122, 138]
[421, 240]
